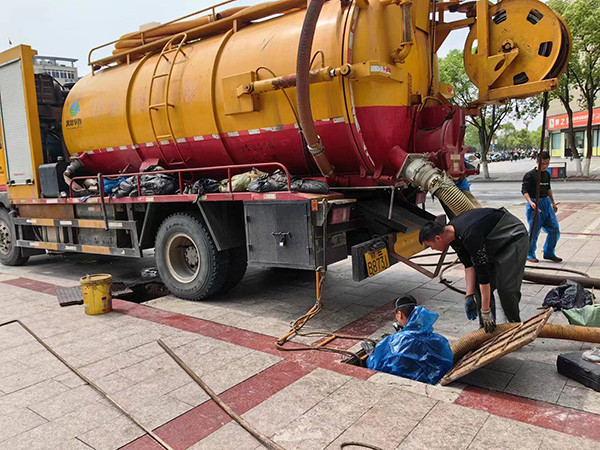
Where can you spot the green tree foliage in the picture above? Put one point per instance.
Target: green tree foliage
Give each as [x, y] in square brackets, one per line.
[583, 18]
[491, 117]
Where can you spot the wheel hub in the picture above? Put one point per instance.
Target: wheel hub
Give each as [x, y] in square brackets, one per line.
[5, 241]
[182, 258]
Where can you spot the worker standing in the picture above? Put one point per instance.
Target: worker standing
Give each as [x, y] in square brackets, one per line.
[492, 245]
[546, 207]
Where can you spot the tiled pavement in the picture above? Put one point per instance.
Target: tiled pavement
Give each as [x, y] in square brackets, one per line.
[302, 399]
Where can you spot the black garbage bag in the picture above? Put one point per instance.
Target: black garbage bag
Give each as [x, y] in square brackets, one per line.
[568, 295]
[125, 188]
[277, 181]
[202, 186]
[159, 184]
[266, 184]
[310, 186]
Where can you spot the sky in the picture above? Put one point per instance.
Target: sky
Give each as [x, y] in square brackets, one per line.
[71, 28]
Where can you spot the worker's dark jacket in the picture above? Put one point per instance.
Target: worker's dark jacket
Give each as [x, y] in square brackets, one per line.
[482, 235]
[529, 185]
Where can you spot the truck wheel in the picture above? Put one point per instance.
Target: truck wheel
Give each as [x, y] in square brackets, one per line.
[238, 262]
[187, 259]
[10, 255]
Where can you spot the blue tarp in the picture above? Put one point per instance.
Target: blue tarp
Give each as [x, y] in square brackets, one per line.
[414, 352]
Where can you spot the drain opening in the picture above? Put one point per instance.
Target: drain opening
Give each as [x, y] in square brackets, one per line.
[138, 293]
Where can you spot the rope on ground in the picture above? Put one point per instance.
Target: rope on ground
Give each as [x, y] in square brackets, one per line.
[92, 384]
[299, 323]
[264, 440]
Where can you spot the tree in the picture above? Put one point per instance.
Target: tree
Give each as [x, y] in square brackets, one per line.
[490, 117]
[472, 138]
[506, 133]
[583, 18]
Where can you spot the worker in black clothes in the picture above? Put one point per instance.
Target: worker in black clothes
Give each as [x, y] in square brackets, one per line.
[546, 207]
[492, 245]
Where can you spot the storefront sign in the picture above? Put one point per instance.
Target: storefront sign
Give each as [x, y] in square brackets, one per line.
[579, 120]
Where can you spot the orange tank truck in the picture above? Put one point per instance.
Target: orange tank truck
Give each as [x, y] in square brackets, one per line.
[343, 97]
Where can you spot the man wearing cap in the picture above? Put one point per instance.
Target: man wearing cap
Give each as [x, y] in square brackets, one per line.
[414, 351]
[492, 245]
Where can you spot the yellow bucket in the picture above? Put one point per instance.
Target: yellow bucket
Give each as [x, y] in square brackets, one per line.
[96, 297]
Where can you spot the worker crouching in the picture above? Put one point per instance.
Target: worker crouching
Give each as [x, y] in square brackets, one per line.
[415, 351]
[492, 245]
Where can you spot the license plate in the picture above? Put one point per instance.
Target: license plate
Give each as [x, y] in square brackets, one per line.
[377, 261]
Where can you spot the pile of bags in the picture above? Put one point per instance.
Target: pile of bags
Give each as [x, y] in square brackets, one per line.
[252, 181]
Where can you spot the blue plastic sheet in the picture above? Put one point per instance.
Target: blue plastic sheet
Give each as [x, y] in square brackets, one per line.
[414, 352]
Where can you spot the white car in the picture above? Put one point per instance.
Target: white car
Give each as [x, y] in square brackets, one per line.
[471, 159]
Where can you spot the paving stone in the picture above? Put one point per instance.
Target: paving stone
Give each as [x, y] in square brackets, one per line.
[537, 381]
[508, 364]
[11, 367]
[44, 437]
[29, 377]
[553, 440]
[191, 394]
[31, 395]
[581, 398]
[500, 433]
[114, 434]
[87, 417]
[159, 410]
[488, 379]
[329, 418]
[66, 402]
[239, 370]
[444, 393]
[446, 426]
[225, 437]
[110, 365]
[388, 422]
[294, 400]
[113, 382]
[70, 379]
[18, 422]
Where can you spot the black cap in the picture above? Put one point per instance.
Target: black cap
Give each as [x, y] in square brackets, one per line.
[407, 300]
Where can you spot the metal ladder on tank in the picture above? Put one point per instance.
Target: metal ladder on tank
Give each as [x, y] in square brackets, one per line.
[174, 48]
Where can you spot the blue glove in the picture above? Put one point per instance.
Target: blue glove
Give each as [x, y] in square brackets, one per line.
[471, 307]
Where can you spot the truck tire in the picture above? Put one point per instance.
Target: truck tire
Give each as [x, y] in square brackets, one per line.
[238, 262]
[10, 255]
[187, 258]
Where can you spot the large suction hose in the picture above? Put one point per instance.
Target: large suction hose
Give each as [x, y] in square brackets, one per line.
[474, 340]
[542, 278]
[422, 174]
[307, 123]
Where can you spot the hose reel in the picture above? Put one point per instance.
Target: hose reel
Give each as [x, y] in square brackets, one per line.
[527, 43]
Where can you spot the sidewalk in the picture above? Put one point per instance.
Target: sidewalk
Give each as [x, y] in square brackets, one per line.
[303, 400]
[512, 171]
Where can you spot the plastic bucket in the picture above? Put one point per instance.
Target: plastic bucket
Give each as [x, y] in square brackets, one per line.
[96, 297]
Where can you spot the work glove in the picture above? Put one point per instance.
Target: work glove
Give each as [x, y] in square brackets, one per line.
[471, 307]
[489, 325]
[368, 347]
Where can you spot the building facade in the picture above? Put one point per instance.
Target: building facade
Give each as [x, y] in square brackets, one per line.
[558, 124]
[62, 70]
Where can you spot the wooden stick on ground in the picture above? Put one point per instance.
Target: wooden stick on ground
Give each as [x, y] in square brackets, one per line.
[265, 440]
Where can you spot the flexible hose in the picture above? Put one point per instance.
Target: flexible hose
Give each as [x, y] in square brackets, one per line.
[555, 280]
[474, 339]
[454, 198]
[307, 123]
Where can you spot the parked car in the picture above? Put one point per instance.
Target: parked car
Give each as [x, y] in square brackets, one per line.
[473, 160]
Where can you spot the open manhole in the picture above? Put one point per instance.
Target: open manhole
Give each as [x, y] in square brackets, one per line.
[149, 287]
[138, 293]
